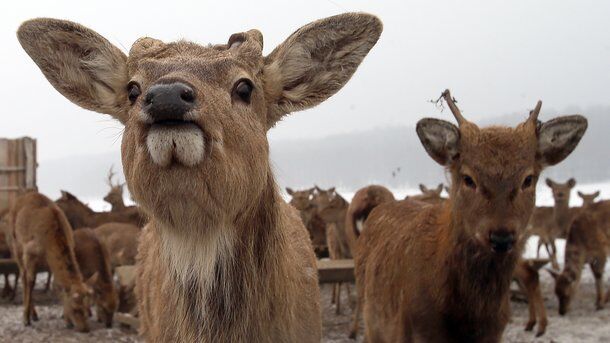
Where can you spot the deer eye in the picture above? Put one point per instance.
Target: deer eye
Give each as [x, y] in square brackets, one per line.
[243, 90]
[133, 91]
[469, 182]
[527, 183]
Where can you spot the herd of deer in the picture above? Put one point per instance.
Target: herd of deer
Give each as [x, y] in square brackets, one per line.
[224, 259]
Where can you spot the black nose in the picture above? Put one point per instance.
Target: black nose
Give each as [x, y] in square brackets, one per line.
[501, 240]
[167, 102]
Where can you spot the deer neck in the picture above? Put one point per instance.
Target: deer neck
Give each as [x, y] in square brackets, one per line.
[118, 205]
[62, 261]
[561, 212]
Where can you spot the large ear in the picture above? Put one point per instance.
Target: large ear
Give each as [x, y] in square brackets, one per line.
[82, 65]
[571, 182]
[550, 182]
[557, 138]
[439, 188]
[289, 191]
[595, 195]
[316, 61]
[580, 194]
[423, 188]
[440, 139]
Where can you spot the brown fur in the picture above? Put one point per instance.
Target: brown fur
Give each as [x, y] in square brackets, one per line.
[80, 215]
[94, 262]
[588, 199]
[435, 273]
[332, 208]
[363, 202]
[429, 195]
[588, 242]
[223, 258]
[303, 201]
[528, 280]
[43, 237]
[5, 252]
[122, 242]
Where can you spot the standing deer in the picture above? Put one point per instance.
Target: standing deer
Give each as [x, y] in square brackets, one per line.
[363, 202]
[115, 194]
[303, 201]
[438, 273]
[588, 199]
[332, 208]
[588, 242]
[43, 237]
[223, 258]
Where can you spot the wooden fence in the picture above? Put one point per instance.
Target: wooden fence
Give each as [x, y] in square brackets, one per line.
[17, 168]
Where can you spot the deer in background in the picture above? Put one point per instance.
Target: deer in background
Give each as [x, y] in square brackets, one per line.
[588, 242]
[363, 202]
[428, 195]
[223, 258]
[442, 272]
[115, 199]
[94, 263]
[332, 208]
[303, 201]
[588, 199]
[122, 242]
[80, 215]
[43, 237]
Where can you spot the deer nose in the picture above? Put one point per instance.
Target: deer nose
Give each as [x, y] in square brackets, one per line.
[167, 102]
[501, 240]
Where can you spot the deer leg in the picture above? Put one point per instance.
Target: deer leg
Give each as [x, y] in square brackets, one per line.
[333, 297]
[7, 287]
[540, 242]
[597, 267]
[15, 284]
[48, 284]
[29, 280]
[554, 262]
[338, 303]
[356, 318]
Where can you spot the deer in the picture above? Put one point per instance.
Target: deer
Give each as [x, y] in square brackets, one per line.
[82, 216]
[94, 262]
[442, 272]
[122, 242]
[332, 208]
[302, 200]
[42, 237]
[115, 199]
[5, 253]
[428, 195]
[363, 202]
[587, 243]
[223, 257]
[588, 199]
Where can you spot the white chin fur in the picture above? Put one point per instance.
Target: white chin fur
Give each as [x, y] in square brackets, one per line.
[184, 143]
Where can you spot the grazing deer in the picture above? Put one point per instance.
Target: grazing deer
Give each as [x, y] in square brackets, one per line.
[588, 199]
[437, 273]
[588, 242]
[363, 202]
[122, 242]
[223, 257]
[332, 208]
[43, 237]
[303, 201]
[94, 263]
[428, 195]
[80, 215]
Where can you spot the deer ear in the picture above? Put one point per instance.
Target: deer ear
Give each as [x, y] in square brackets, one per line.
[439, 188]
[580, 194]
[423, 188]
[82, 65]
[571, 182]
[549, 182]
[440, 139]
[596, 194]
[289, 191]
[557, 138]
[316, 61]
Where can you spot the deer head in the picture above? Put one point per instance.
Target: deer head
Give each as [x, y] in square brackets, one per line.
[77, 303]
[194, 150]
[431, 192]
[330, 205]
[588, 199]
[115, 195]
[494, 171]
[301, 200]
[561, 191]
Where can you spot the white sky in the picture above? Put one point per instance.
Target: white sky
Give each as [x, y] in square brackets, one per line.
[497, 57]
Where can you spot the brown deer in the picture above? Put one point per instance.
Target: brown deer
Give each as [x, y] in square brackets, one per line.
[303, 201]
[588, 199]
[115, 194]
[526, 276]
[428, 195]
[363, 202]
[122, 242]
[43, 237]
[80, 215]
[332, 208]
[588, 242]
[437, 273]
[5, 252]
[223, 257]
[94, 263]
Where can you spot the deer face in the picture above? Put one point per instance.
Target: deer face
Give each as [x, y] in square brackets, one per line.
[195, 116]
[330, 205]
[302, 200]
[588, 199]
[561, 191]
[77, 304]
[494, 171]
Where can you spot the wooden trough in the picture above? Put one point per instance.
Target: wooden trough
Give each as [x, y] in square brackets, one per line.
[8, 266]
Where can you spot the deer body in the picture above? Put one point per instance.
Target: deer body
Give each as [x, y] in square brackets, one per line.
[302, 200]
[441, 273]
[122, 242]
[43, 237]
[80, 215]
[223, 258]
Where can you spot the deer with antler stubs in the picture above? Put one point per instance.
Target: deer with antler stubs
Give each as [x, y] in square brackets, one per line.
[115, 194]
[224, 258]
[438, 273]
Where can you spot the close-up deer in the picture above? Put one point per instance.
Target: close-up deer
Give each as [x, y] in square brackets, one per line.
[438, 273]
[223, 258]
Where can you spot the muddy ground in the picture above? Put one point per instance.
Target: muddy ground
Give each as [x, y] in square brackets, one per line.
[582, 324]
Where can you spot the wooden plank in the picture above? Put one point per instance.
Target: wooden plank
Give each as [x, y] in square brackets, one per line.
[127, 320]
[332, 271]
[8, 265]
[30, 164]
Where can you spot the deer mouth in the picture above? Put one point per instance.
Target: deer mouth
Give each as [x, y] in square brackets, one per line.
[174, 141]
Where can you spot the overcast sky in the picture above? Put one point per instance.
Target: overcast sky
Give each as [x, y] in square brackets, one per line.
[497, 57]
